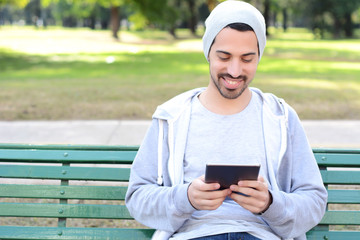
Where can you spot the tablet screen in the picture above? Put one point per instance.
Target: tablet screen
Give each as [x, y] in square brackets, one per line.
[227, 175]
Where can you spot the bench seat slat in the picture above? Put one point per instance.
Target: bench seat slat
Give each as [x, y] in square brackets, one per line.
[63, 156]
[64, 210]
[62, 192]
[65, 172]
[45, 233]
[344, 196]
[333, 235]
[341, 218]
[340, 177]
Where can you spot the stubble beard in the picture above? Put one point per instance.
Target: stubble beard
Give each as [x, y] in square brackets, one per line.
[229, 93]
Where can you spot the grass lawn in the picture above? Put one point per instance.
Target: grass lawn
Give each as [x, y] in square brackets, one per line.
[60, 73]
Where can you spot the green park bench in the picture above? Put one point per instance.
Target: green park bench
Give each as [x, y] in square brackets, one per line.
[69, 184]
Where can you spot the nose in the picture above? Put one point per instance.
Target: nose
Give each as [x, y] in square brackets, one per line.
[235, 68]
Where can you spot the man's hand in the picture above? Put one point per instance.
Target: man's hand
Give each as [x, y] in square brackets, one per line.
[258, 197]
[203, 196]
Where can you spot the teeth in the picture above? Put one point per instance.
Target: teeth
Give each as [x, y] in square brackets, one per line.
[231, 82]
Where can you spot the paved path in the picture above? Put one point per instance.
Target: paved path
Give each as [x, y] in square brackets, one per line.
[325, 133]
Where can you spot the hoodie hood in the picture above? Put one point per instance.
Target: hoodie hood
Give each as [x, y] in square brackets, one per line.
[173, 108]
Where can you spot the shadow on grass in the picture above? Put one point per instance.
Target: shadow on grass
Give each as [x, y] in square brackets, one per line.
[18, 66]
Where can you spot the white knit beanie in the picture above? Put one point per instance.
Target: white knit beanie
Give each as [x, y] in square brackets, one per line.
[234, 12]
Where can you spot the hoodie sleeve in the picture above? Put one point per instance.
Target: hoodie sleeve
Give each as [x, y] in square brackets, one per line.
[159, 207]
[300, 203]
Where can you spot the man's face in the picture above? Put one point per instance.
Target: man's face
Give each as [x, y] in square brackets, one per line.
[233, 61]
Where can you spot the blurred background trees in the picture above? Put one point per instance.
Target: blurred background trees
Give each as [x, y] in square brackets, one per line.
[326, 18]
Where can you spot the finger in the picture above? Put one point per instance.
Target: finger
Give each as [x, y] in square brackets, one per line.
[209, 186]
[261, 179]
[244, 191]
[248, 202]
[248, 184]
[200, 185]
[252, 208]
[214, 195]
[253, 200]
[208, 200]
[205, 204]
[260, 184]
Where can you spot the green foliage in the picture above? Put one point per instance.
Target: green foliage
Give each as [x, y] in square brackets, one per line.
[109, 3]
[139, 21]
[161, 13]
[17, 3]
[73, 9]
[46, 3]
[333, 16]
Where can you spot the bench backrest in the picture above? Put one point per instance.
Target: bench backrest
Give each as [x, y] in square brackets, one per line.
[90, 182]
[340, 170]
[66, 182]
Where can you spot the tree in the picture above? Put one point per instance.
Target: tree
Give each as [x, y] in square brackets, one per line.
[193, 15]
[163, 14]
[267, 5]
[342, 16]
[114, 6]
[287, 9]
[333, 16]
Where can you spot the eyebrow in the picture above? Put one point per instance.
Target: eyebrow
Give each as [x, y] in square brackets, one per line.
[244, 55]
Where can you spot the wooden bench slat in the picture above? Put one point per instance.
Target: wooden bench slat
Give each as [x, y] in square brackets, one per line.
[340, 177]
[62, 192]
[338, 160]
[333, 235]
[344, 196]
[13, 156]
[63, 156]
[341, 218]
[335, 151]
[45, 233]
[64, 210]
[80, 147]
[65, 172]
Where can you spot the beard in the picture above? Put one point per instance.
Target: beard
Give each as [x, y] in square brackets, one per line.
[226, 92]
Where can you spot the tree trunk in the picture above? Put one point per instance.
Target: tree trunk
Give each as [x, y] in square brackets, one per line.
[193, 18]
[172, 31]
[267, 15]
[337, 27]
[115, 21]
[285, 19]
[348, 26]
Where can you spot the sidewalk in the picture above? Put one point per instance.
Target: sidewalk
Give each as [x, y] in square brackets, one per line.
[324, 133]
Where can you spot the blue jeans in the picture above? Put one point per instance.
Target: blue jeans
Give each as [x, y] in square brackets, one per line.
[229, 236]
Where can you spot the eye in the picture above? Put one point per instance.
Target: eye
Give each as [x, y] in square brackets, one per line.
[247, 60]
[223, 58]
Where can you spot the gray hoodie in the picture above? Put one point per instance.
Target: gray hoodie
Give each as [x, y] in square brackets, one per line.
[157, 194]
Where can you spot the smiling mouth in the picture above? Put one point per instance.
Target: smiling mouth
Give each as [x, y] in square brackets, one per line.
[232, 83]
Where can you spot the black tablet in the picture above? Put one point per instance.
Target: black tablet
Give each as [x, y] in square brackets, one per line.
[228, 174]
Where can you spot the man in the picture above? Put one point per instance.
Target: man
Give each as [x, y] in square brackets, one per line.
[227, 122]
